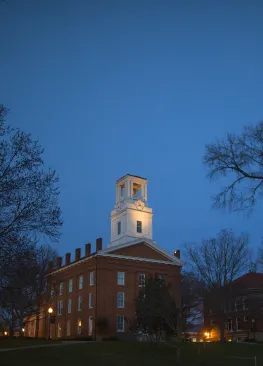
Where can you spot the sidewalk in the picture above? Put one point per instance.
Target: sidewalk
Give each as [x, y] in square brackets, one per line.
[63, 343]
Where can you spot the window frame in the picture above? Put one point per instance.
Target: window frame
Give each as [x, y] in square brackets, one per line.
[121, 279]
[69, 306]
[79, 303]
[119, 227]
[81, 279]
[91, 278]
[141, 279]
[59, 330]
[68, 327]
[120, 330]
[61, 288]
[120, 300]
[79, 327]
[139, 226]
[91, 300]
[59, 307]
[70, 285]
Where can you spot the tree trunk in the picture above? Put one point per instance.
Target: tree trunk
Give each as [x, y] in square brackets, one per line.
[37, 325]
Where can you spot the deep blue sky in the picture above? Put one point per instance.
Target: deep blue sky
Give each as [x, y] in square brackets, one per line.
[115, 87]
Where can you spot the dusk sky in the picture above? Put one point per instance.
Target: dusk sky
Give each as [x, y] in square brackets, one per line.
[134, 86]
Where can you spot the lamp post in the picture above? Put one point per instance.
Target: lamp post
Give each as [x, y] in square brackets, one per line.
[50, 311]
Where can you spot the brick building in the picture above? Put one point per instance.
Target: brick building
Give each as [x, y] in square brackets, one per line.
[244, 318]
[94, 294]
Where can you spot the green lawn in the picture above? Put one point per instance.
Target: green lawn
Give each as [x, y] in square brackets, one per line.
[133, 354]
[20, 342]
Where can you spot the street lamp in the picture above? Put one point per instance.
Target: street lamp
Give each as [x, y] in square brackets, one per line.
[50, 311]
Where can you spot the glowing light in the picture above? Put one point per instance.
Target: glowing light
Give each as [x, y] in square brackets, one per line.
[79, 323]
[50, 310]
[23, 329]
[207, 334]
[5, 333]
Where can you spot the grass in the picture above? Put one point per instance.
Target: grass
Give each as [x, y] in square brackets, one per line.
[133, 354]
[20, 342]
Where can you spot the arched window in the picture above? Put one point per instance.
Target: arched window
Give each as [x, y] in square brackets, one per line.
[79, 325]
[59, 330]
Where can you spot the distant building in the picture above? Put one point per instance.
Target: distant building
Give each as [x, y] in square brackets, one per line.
[244, 318]
[94, 295]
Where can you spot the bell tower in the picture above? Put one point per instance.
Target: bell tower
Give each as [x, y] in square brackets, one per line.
[131, 217]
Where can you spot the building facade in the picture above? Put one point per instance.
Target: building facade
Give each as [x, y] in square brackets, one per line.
[243, 317]
[94, 295]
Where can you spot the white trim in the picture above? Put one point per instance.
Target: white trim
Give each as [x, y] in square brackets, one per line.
[139, 259]
[71, 265]
[149, 243]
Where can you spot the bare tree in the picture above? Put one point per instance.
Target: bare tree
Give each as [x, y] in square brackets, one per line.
[28, 193]
[217, 262]
[241, 158]
[192, 300]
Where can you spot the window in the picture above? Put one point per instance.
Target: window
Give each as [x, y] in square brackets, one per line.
[213, 323]
[120, 279]
[70, 285]
[245, 318]
[52, 291]
[120, 300]
[61, 288]
[120, 323]
[119, 227]
[69, 305]
[91, 295]
[79, 303]
[79, 325]
[59, 330]
[238, 323]
[68, 328]
[91, 278]
[229, 325]
[141, 279]
[80, 282]
[59, 307]
[122, 190]
[139, 227]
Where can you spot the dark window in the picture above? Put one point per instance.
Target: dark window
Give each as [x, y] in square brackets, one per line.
[119, 228]
[139, 226]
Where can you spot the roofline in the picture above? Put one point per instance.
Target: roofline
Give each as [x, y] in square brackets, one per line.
[130, 175]
[140, 259]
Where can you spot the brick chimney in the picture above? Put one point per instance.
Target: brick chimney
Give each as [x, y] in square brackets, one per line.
[67, 260]
[77, 254]
[98, 244]
[59, 262]
[87, 249]
[49, 266]
[177, 253]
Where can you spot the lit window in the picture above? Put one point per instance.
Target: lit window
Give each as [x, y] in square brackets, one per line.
[70, 285]
[119, 227]
[59, 330]
[61, 288]
[120, 323]
[141, 279]
[59, 307]
[139, 227]
[80, 282]
[120, 300]
[69, 305]
[79, 325]
[68, 328]
[91, 296]
[79, 303]
[91, 278]
[238, 323]
[121, 276]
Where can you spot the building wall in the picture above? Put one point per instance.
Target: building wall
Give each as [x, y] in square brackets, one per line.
[105, 291]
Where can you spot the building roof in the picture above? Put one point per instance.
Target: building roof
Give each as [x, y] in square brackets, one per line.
[250, 279]
[130, 175]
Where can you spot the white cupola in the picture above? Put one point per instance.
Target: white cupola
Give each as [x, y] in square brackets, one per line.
[131, 217]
